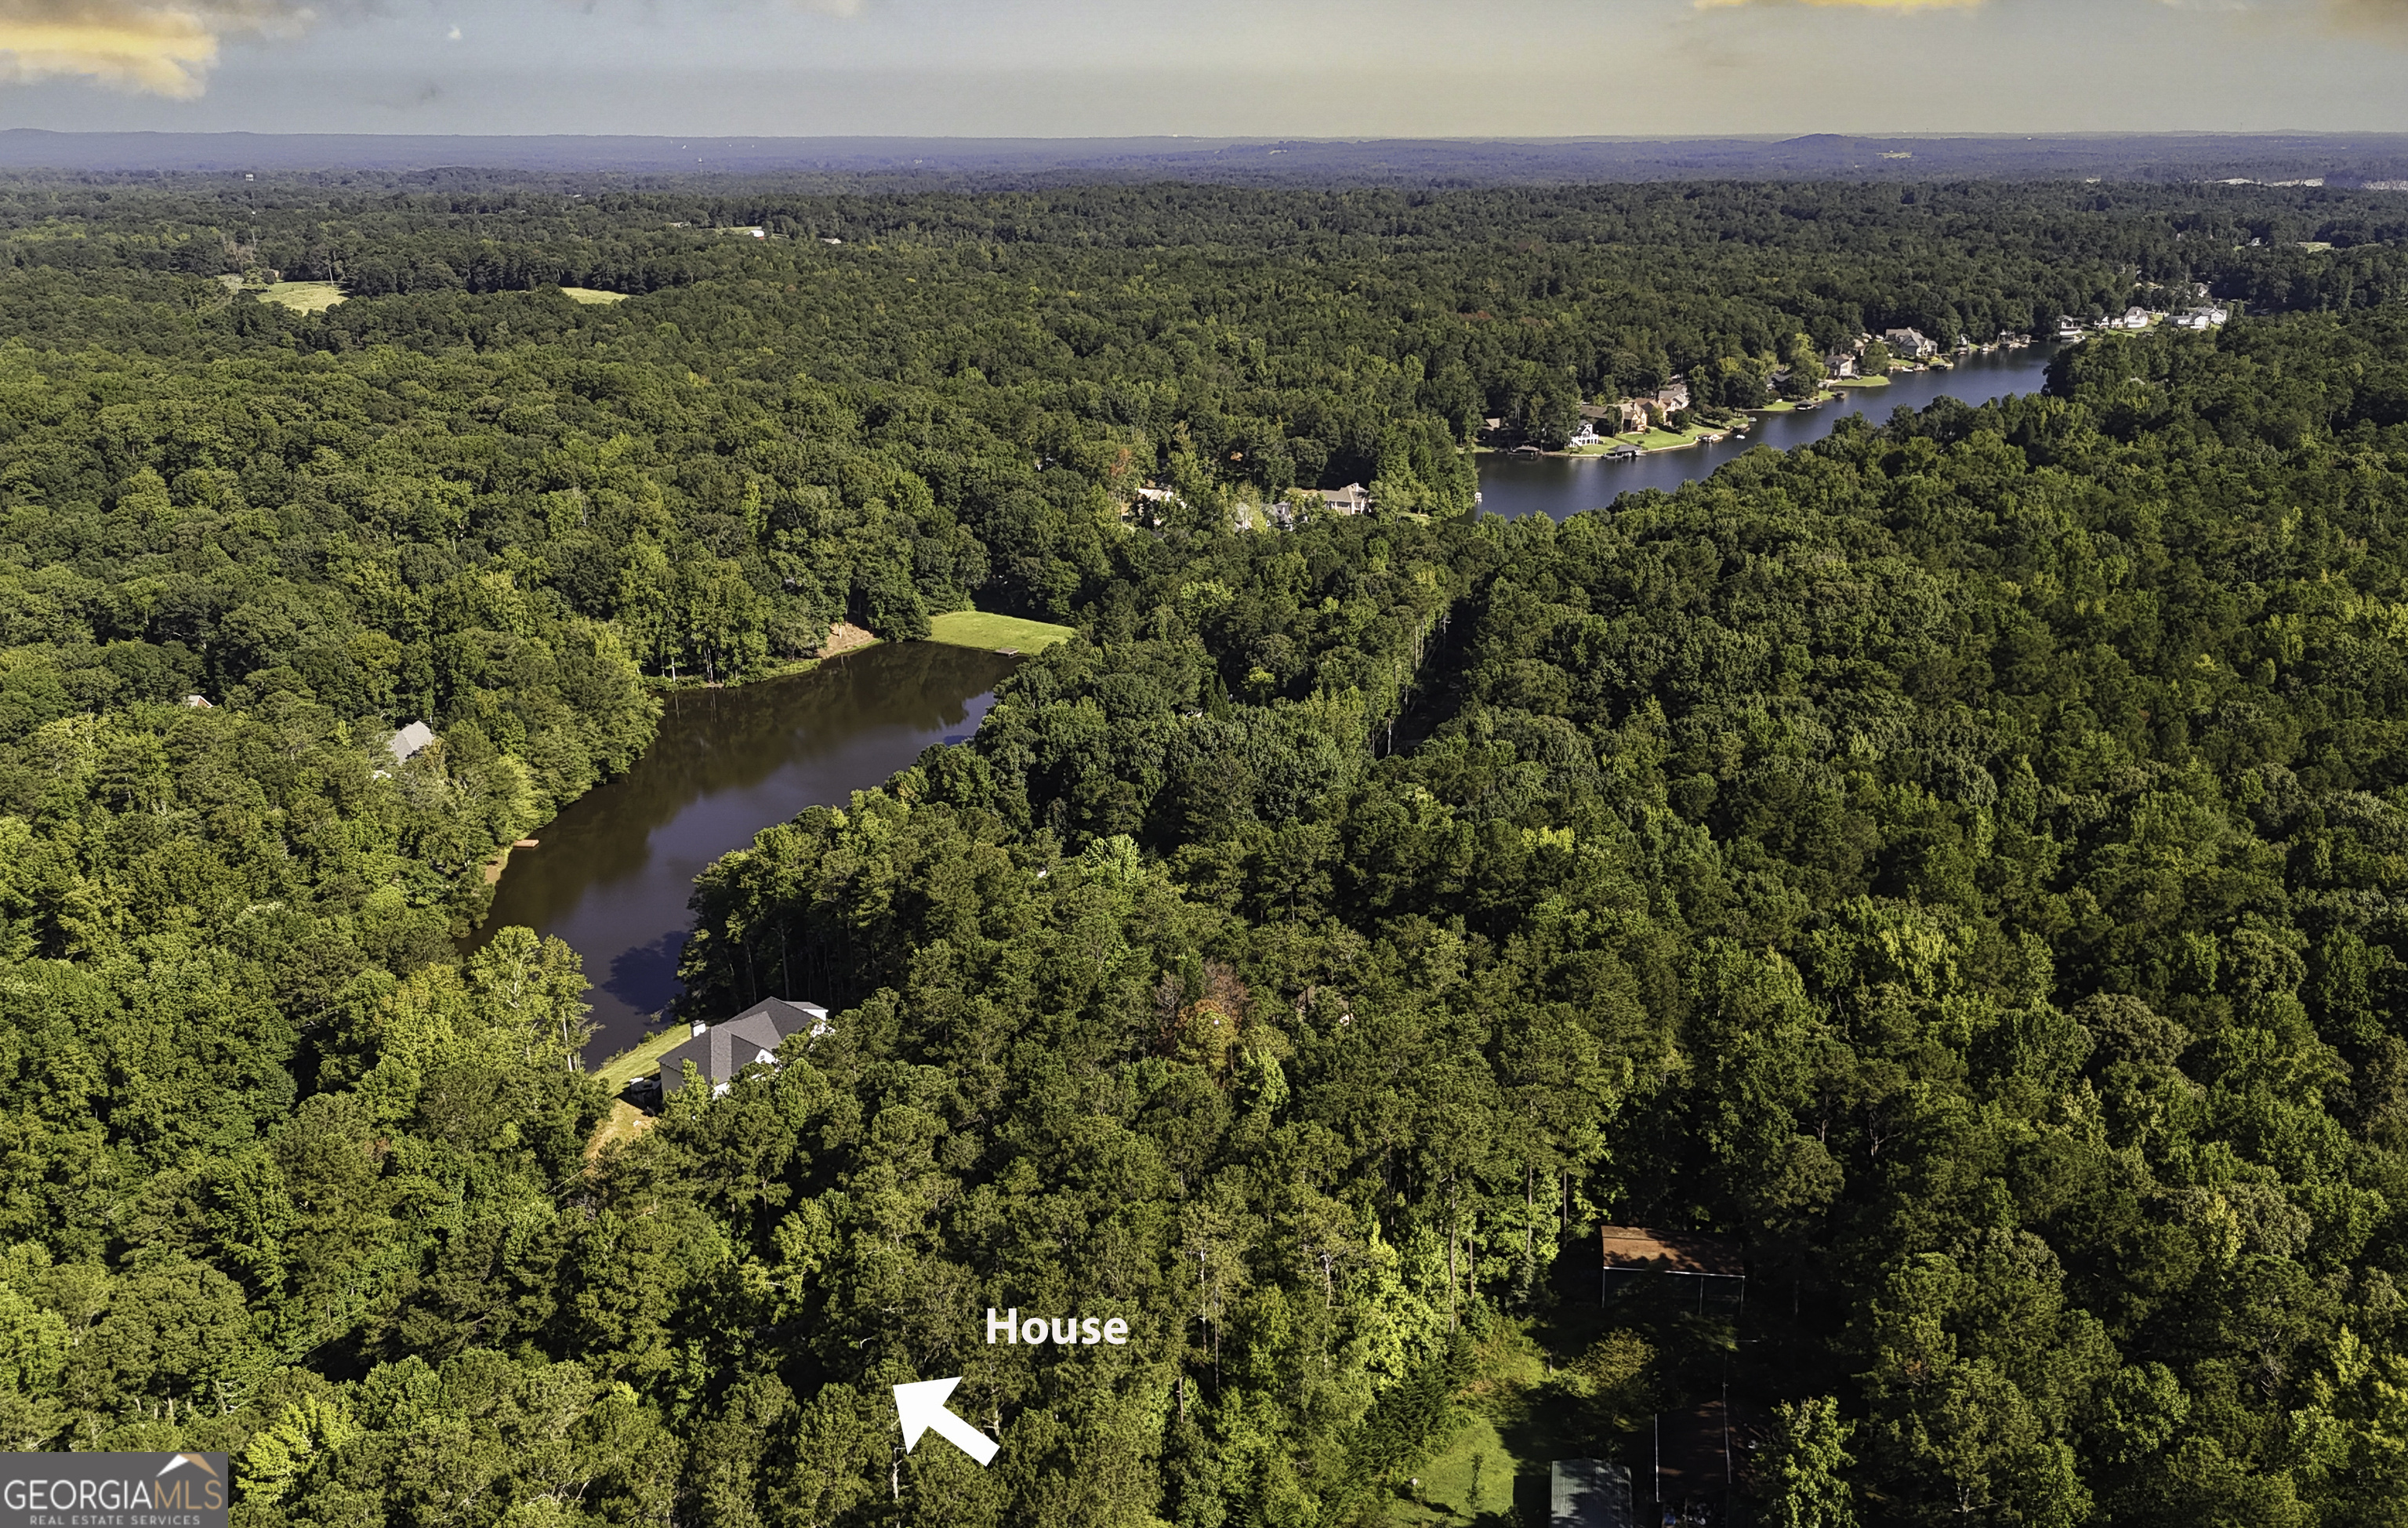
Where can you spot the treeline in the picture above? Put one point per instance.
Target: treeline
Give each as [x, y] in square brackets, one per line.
[1327, 329]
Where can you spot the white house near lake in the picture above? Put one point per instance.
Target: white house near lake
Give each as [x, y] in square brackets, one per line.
[721, 1051]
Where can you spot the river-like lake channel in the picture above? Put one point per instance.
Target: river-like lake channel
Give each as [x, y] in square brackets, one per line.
[1562, 486]
[614, 871]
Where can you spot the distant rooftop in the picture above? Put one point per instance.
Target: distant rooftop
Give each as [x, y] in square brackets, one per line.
[410, 742]
[1637, 1250]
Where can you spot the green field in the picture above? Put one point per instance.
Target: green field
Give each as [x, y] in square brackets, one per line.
[1469, 1480]
[1654, 440]
[592, 296]
[304, 296]
[640, 1061]
[977, 628]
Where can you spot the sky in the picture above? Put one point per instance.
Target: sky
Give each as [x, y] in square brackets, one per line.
[1229, 67]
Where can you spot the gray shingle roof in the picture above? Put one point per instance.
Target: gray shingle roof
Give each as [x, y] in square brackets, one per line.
[722, 1051]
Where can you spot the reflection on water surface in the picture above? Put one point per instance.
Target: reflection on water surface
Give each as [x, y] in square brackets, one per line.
[615, 869]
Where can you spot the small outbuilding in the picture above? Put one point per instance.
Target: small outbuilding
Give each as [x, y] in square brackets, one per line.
[1635, 1257]
[410, 742]
[1588, 1494]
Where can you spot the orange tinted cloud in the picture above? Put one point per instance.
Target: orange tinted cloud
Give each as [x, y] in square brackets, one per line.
[161, 46]
[2390, 16]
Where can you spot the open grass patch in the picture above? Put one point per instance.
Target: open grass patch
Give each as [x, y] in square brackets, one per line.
[1667, 440]
[304, 296]
[641, 1060]
[1469, 1480]
[592, 296]
[625, 1121]
[997, 633]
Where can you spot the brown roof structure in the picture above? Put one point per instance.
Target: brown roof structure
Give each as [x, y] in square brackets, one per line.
[1637, 1250]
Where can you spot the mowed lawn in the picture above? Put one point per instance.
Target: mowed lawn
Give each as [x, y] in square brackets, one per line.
[998, 633]
[624, 1121]
[304, 296]
[592, 296]
[640, 1061]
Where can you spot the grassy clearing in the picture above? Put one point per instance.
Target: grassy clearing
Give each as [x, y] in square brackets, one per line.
[1513, 1421]
[304, 296]
[591, 296]
[977, 628]
[1791, 406]
[640, 1061]
[1657, 440]
[1471, 1480]
[624, 1122]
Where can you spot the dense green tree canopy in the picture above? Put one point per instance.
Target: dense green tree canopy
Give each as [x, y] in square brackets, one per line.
[1957, 859]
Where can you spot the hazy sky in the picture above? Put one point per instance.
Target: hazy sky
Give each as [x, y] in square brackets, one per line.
[1247, 67]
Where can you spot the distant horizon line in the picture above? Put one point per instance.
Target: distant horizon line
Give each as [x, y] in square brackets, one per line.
[2086, 135]
[2290, 156]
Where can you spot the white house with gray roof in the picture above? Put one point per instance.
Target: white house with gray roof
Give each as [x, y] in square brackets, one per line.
[721, 1051]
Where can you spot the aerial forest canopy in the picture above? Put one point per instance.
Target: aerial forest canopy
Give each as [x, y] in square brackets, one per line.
[1956, 861]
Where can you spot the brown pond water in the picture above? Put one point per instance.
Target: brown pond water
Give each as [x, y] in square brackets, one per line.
[615, 869]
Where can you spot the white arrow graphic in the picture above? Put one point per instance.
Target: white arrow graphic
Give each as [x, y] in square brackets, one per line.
[922, 1406]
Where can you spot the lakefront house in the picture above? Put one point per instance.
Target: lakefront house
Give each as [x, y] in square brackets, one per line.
[721, 1051]
[1351, 499]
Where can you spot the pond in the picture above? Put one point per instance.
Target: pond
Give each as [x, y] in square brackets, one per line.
[1562, 486]
[613, 871]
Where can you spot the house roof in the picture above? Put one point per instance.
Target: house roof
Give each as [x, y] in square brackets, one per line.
[407, 743]
[1588, 1494]
[1640, 1250]
[723, 1051]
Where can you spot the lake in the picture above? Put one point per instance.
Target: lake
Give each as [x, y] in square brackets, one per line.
[1563, 486]
[614, 869]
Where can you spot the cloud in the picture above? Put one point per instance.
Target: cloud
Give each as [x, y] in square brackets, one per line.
[158, 47]
[1856, 5]
[2383, 16]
